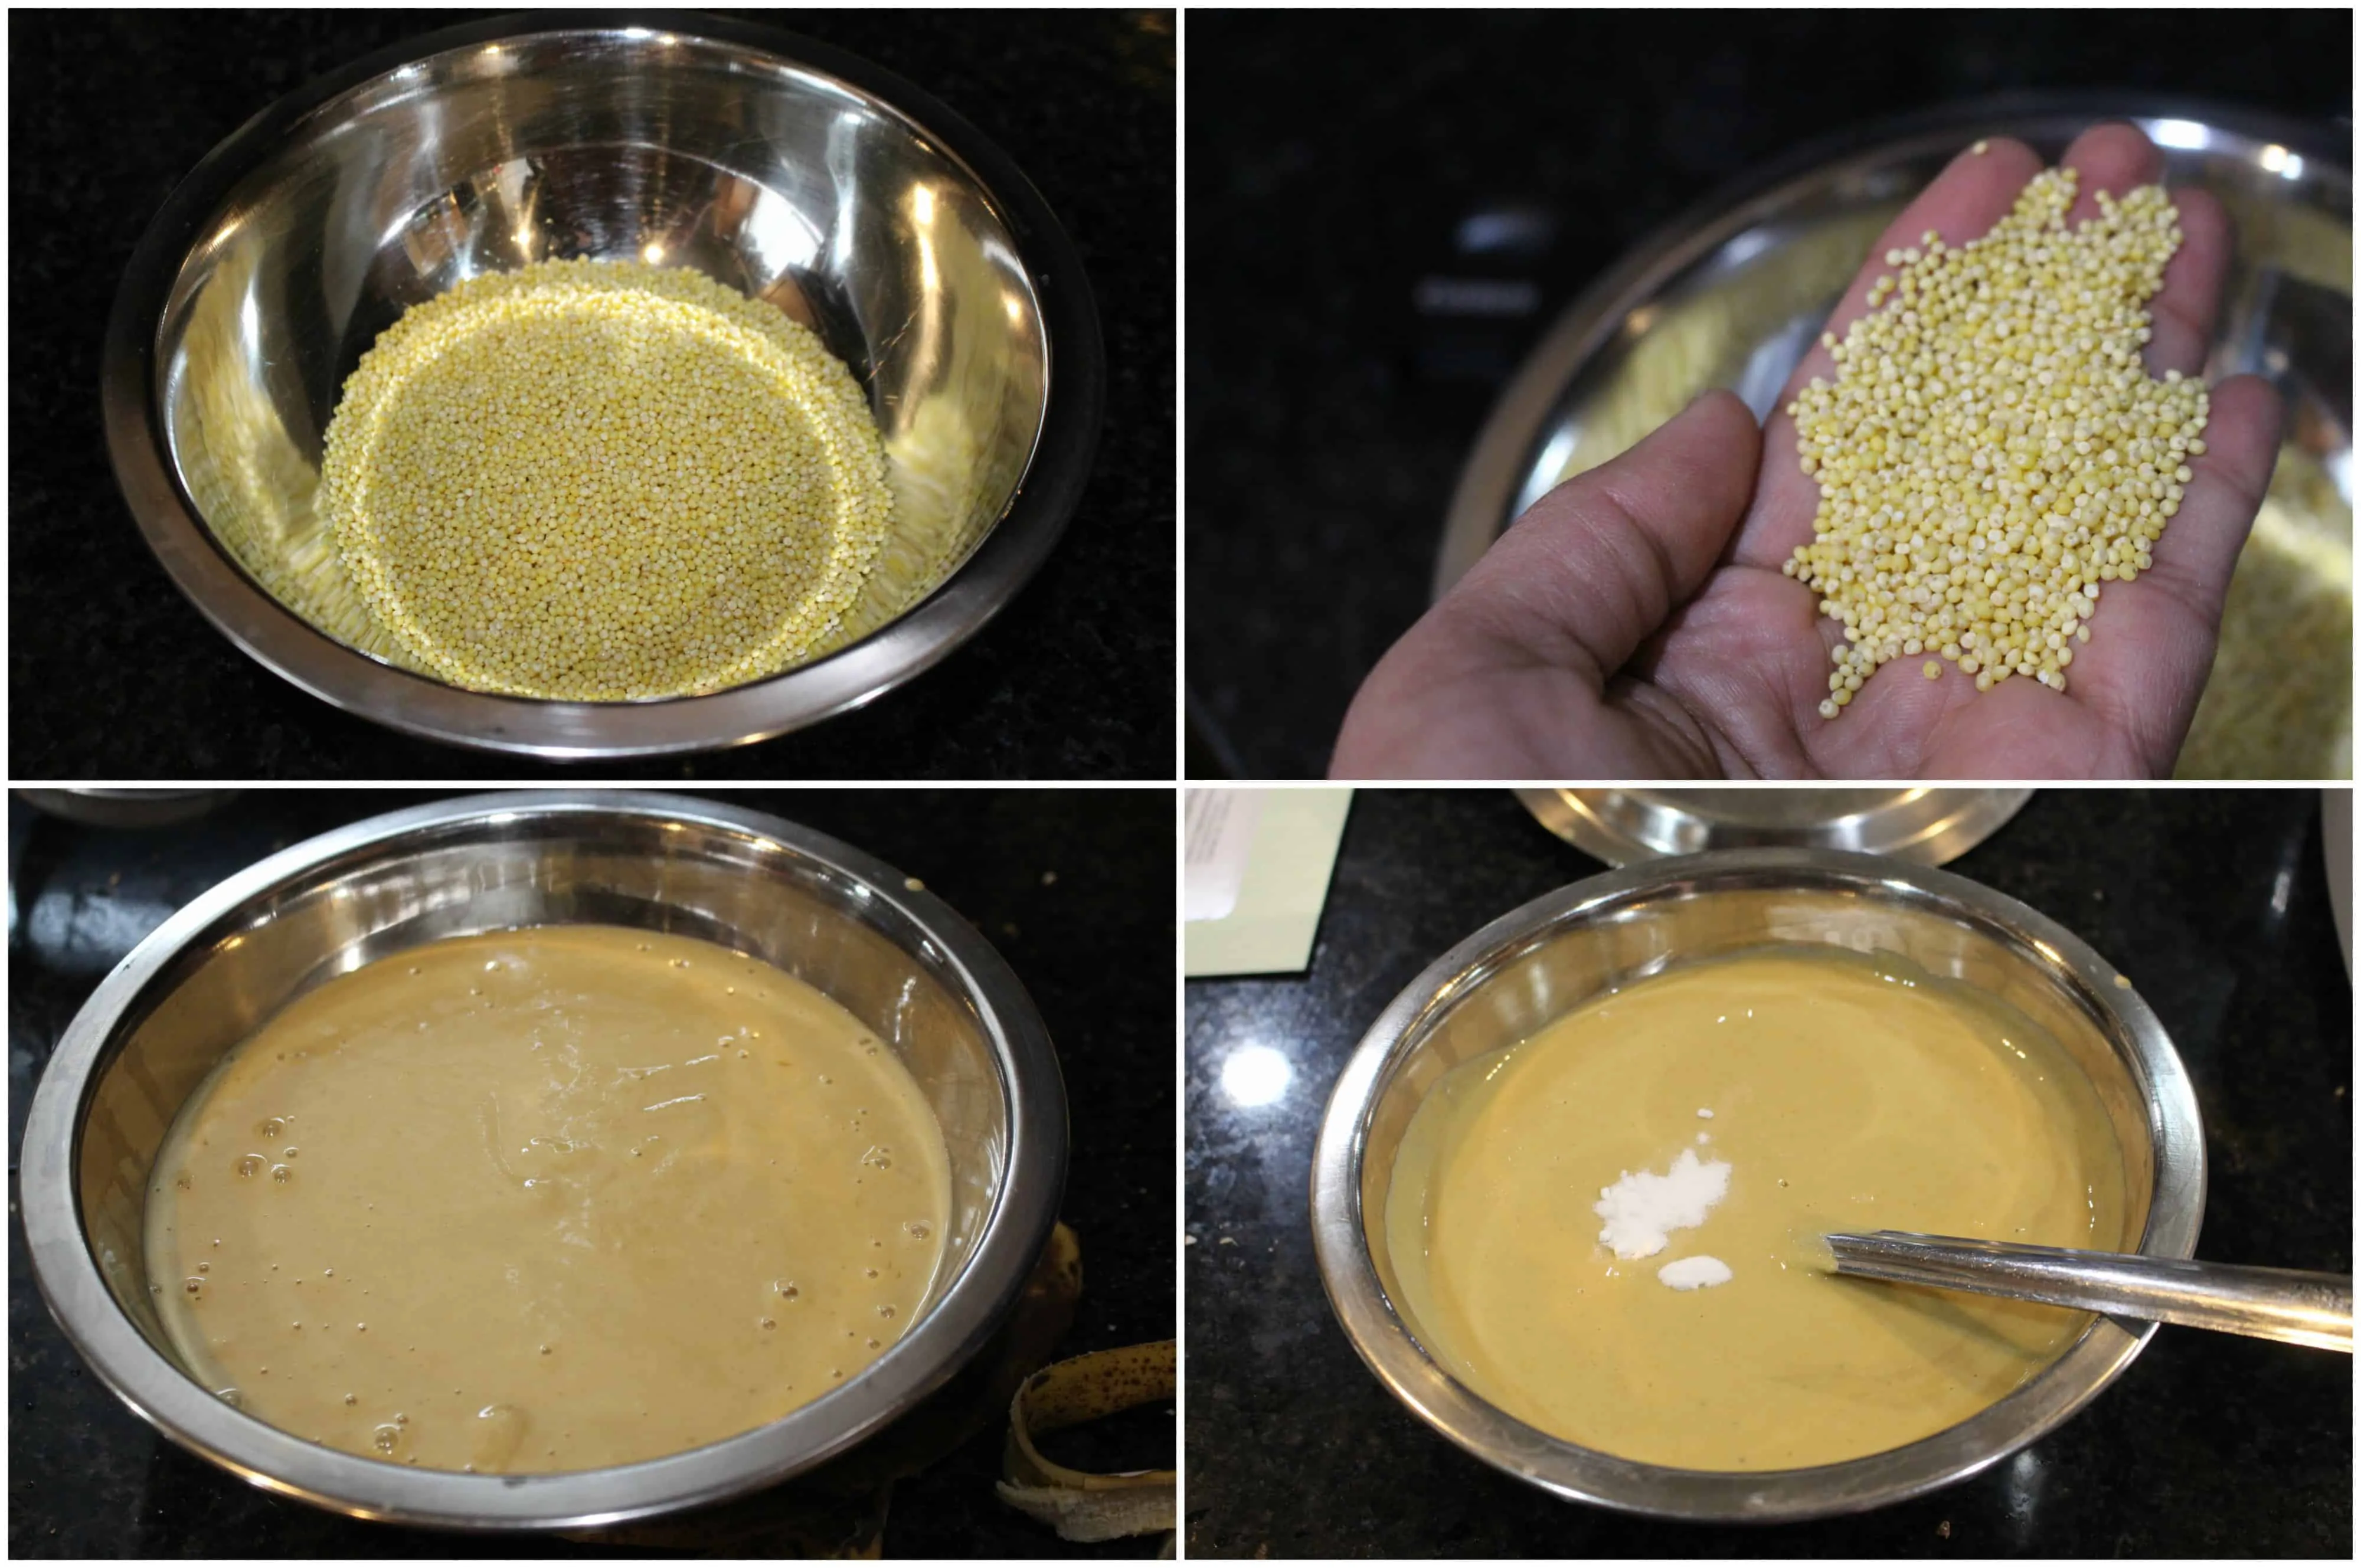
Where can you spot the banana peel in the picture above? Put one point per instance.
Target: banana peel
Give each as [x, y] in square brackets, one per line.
[1077, 1505]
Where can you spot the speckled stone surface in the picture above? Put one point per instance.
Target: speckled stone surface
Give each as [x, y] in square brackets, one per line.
[1329, 417]
[87, 1478]
[2213, 903]
[113, 675]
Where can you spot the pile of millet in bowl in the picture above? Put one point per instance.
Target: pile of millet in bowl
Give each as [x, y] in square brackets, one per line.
[1994, 450]
[603, 482]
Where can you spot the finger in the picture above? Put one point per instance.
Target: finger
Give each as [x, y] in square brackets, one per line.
[2114, 157]
[1973, 192]
[2183, 311]
[1964, 202]
[1593, 567]
[2119, 158]
[2152, 639]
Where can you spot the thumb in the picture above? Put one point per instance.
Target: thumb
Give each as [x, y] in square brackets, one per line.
[1594, 568]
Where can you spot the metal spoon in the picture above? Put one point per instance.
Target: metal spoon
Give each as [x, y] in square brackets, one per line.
[2292, 1305]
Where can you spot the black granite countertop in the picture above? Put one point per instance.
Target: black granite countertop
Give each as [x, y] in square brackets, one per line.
[87, 1478]
[1330, 411]
[113, 675]
[2213, 903]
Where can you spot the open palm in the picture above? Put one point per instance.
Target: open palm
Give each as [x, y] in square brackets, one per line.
[1634, 623]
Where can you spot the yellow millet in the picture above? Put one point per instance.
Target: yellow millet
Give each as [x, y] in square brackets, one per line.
[1992, 450]
[601, 481]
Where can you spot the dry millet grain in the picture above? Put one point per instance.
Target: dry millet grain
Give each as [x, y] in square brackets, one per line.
[602, 481]
[1992, 450]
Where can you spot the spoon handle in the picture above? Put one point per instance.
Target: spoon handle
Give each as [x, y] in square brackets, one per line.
[2288, 1304]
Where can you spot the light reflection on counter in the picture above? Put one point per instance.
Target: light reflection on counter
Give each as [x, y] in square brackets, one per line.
[1255, 1075]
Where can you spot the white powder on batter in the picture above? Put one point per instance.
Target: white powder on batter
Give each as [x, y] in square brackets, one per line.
[1694, 1273]
[1704, 1113]
[1642, 1209]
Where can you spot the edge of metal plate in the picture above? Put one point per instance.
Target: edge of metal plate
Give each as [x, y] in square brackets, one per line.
[1930, 827]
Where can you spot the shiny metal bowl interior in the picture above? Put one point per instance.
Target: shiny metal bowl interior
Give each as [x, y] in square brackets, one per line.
[1535, 963]
[894, 956]
[1620, 826]
[791, 172]
[1733, 292]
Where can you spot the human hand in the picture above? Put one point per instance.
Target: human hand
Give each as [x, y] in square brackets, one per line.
[1634, 623]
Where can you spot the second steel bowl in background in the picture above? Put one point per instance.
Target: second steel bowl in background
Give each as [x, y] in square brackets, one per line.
[1620, 826]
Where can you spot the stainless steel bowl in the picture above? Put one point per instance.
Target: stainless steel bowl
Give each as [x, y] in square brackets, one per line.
[127, 807]
[896, 956]
[1733, 292]
[1620, 826]
[1534, 963]
[792, 171]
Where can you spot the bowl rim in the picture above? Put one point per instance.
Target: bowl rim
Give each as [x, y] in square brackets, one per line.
[1011, 551]
[1583, 1475]
[936, 1346]
[1901, 826]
